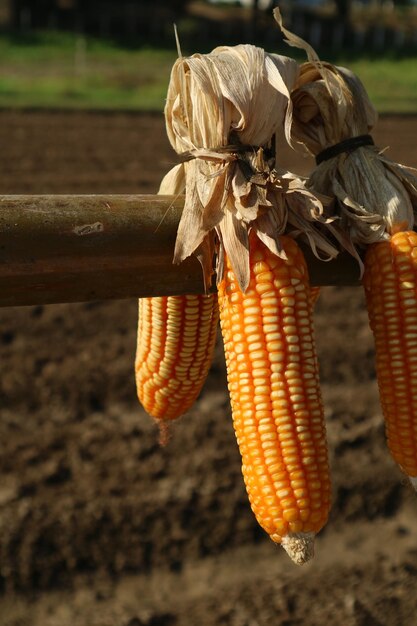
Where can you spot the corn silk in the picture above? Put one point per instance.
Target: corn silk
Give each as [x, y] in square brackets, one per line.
[222, 113]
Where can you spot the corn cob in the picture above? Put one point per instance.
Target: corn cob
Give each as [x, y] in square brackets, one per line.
[390, 282]
[176, 339]
[275, 396]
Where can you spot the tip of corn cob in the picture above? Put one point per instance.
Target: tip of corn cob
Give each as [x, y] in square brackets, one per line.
[299, 546]
[413, 481]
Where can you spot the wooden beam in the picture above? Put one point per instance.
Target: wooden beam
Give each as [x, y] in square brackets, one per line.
[74, 248]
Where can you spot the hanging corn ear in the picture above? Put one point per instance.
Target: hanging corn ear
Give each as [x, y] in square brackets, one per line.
[176, 339]
[223, 111]
[275, 396]
[175, 342]
[376, 200]
[390, 282]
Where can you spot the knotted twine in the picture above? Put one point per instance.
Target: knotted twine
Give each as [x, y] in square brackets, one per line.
[374, 196]
[222, 112]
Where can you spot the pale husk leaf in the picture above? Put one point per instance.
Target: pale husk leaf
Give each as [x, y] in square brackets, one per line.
[374, 196]
[222, 112]
[173, 184]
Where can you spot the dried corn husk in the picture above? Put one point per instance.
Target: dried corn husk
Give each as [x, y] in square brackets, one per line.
[375, 196]
[222, 112]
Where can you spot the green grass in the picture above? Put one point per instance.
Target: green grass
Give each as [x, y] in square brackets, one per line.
[61, 70]
[390, 82]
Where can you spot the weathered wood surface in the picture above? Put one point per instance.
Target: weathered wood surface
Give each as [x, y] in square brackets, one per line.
[69, 248]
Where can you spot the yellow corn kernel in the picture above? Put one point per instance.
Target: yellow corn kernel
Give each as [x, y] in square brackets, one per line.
[175, 344]
[280, 460]
[390, 282]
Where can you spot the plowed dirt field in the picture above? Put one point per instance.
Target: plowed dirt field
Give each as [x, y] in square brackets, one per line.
[99, 525]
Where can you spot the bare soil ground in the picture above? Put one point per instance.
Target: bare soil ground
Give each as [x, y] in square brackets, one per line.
[99, 526]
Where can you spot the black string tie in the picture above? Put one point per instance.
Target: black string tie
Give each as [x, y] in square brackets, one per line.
[348, 145]
[231, 152]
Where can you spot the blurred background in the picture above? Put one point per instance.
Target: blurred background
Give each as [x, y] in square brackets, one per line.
[104, 54]
[99, 525]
